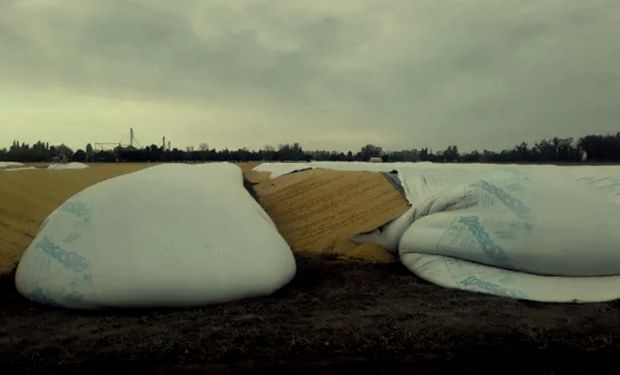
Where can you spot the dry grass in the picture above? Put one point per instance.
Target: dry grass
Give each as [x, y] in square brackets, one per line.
[318, 210]
[28, 197]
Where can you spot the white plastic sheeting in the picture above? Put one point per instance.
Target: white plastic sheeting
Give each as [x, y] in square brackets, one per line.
[545, 233]
[279, 169]
[461, 274]
[388, 237]
[10, 164]
[72, 165]
[170, 235]
[17, 169]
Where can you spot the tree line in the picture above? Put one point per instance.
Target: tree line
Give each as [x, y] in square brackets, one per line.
[591, 148]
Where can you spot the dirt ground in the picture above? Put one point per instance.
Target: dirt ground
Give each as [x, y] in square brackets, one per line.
[335, 317]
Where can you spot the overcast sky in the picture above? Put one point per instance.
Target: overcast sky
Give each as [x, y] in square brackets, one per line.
[482, 74]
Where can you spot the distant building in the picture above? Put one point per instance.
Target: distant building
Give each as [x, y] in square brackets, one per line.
[376, 160]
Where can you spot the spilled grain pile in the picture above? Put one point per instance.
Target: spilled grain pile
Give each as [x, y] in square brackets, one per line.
[318, 210]
[27, 197]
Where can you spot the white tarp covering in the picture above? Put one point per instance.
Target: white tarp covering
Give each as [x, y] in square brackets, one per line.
[544, 233]
[279, 169]
[170, 235]
[17, 169]
[10, 164]
[72, 165]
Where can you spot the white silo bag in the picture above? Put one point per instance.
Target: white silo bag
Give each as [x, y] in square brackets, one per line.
[170, 235]
[535, 233]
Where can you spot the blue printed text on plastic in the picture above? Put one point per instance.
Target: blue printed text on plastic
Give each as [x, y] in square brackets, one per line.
[479, 284]
[77, 208]
[69, 259]
[490, 248]
[515, 205]
[71, 237]
[39, 295]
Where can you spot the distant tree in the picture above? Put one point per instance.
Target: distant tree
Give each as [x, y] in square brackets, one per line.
[522, 153]
[424, 154]
[471, 157]
[268, 153]
[370, 151]
[89, 152]
[556, 149]
[451, 154]
[292, 152]
[105, 156]
[176, 155]
[603, 148]
[155, 153]
[600, 147]
[63, 152]
[79, 155]
[488, 156]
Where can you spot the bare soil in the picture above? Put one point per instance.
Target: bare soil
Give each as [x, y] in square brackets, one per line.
[335, 317]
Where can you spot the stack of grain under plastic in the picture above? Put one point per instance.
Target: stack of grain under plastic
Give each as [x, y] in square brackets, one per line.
[318, 210]
[543, 233]
[171, 235]
[72, 165]
[10, 164]
[28, 196]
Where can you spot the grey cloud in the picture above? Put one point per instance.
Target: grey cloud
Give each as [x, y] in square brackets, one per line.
[481, 74]
[132, 46]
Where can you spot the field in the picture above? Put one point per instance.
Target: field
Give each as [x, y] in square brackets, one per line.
[336, 316]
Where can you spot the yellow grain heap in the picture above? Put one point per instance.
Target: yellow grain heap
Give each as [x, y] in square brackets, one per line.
[28, 197]
[318, 210]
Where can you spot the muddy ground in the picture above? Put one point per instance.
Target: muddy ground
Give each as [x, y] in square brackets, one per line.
[335, 317]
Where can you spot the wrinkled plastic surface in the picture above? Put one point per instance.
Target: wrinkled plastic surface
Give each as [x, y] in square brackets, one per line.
[72, 165]
[389, 235]
[545, 233]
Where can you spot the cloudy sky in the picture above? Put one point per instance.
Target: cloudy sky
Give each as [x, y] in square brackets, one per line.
[483, 74]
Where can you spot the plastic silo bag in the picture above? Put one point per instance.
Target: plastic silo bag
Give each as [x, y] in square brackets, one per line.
[170, 235]
[535, 233]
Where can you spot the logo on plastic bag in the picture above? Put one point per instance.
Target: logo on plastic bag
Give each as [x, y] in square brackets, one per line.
[478, 284]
